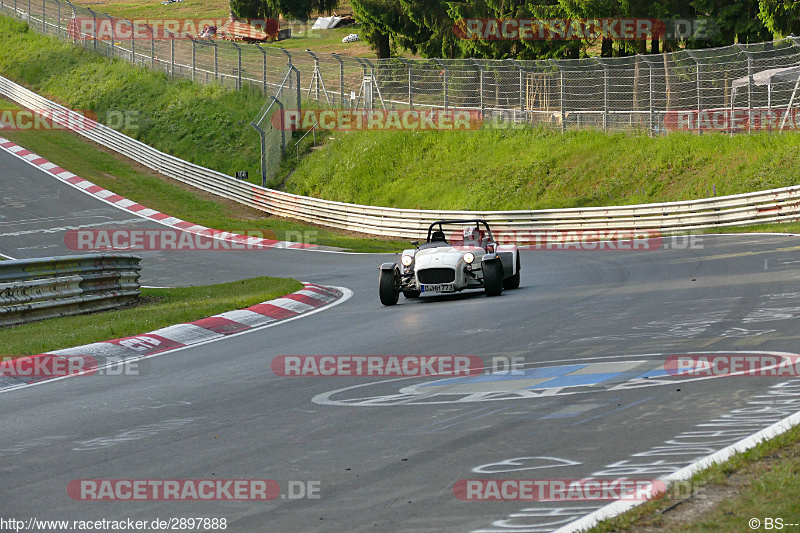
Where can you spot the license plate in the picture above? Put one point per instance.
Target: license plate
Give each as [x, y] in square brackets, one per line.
[442, 287]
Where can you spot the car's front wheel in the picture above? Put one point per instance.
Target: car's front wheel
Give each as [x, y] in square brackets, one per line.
[493, 278]
[513, 281]
[386, 287]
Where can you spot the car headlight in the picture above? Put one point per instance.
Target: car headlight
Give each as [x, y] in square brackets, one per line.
[469, 257]
[407, 260]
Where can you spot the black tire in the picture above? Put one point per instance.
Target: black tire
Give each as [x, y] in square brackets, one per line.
[411, 294]
[386, 288]
[513, 281]
[493, 278]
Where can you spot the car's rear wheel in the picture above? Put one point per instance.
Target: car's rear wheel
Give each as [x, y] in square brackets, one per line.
[493, 278]
[513, 281]
[386, 287]
[411, 294]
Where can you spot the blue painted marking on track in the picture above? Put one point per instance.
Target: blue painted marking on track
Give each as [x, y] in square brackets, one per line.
[575, 381]
[530, 373]
[656, 373]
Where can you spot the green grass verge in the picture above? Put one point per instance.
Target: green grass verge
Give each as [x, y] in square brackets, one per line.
[159, 308]
[542, 169]
[764, 479]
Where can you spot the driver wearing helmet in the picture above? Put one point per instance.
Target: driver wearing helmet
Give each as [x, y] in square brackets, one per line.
[472, 236]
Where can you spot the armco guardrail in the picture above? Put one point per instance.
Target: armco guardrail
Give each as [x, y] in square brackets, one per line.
[35, 289]
[775, 205]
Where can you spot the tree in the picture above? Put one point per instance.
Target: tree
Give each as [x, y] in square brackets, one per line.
[736, 20]
[780, 16]
[251, 9]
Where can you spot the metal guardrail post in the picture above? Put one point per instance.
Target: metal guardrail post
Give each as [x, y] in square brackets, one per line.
[444, 80]
[58, 20]
[263, 68]
[341, 78]
[44, 16]
[28, 14]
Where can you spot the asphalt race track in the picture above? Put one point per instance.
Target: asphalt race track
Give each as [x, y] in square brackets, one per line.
[386, 453]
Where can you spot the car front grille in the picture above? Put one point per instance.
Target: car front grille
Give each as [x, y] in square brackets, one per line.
[436, 275]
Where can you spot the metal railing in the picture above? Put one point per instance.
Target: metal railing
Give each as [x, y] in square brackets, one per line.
[757, 207]
[36, 289]
[644, 92]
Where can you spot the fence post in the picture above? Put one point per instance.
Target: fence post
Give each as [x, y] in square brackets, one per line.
[651, 105]
[291, 67]
[480, 85]
[697, 82]
[561, 96]
[152, 47]
[238, 66]
[216, 59]
[297, 78]
[521, 82]
[194, 57]
[28, 14]
[749, 88]
[444, 80]
[94, 27]
[341, 78]
[44, 15]
[171, 53]
[113, 34]
[263, 68]
[605, 92]
[133, 43]
[58, 20]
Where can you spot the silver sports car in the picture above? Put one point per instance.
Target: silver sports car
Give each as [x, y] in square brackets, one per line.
[457, 255]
